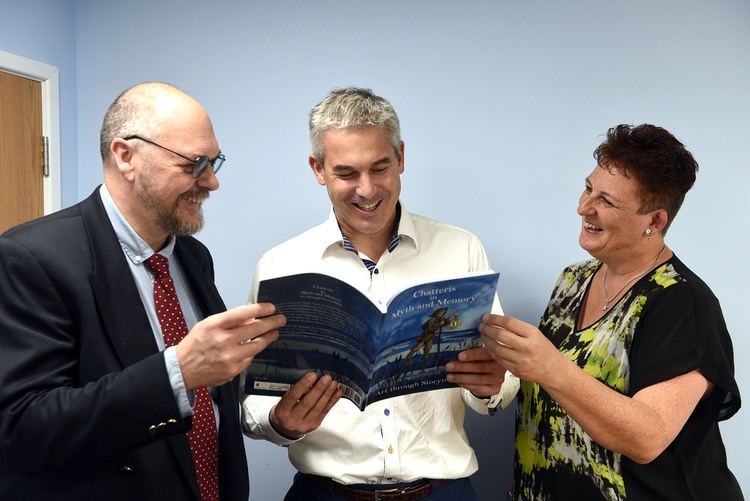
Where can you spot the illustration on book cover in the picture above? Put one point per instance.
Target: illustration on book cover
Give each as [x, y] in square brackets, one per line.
[332, 328]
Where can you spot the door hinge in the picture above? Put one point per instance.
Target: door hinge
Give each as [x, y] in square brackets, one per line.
[45, 156]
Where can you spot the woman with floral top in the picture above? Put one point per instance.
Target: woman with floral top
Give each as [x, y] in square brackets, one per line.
[631, 368]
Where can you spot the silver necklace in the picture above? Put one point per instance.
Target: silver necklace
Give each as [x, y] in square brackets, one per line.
[608, 299]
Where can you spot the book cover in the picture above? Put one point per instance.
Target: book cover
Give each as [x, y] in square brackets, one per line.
[373, 352]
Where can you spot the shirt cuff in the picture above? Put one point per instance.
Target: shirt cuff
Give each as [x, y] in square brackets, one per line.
[500, 400]
[256, 411]
[185, 399]
[507, 392]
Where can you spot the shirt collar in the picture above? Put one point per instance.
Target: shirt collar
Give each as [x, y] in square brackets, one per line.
[392, 244]
[406, 227]
[333, 237]
[135, 248]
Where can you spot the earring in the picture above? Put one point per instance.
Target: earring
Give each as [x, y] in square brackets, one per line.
[648, 232]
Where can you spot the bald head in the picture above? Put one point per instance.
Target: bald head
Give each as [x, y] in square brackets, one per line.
[150, 137]
[145, 109]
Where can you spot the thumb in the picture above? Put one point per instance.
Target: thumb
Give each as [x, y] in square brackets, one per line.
[243, 314]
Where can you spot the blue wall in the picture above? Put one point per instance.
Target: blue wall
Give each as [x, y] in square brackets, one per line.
[44, 30]
[501, 105]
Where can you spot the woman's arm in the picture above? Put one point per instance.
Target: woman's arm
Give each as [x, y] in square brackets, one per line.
[641, 427]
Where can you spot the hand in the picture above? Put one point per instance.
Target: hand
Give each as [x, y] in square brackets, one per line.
[221, 346]
[304, 405]
[521, 348]
[476, 371]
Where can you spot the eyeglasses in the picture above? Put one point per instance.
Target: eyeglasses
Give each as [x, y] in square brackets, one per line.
[198, 165]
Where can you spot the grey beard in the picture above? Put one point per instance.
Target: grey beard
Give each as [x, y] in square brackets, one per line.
[172, 225]
[167, 218]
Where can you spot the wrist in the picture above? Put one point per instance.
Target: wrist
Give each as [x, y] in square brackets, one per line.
[557, 373]
[280, 429]
[181, 356]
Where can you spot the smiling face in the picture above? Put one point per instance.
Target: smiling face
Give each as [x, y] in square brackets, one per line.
[152, 187]
[165, 185]
[362, 175]
[612, 228]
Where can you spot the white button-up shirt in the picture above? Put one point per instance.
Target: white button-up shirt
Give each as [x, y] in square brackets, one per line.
[398, 439]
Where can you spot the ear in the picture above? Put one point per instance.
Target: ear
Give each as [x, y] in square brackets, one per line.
[401, 159]
[122, 157]
[659, 220]
[317, 169]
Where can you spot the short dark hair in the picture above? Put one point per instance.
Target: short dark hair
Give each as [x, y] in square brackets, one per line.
[663, 167]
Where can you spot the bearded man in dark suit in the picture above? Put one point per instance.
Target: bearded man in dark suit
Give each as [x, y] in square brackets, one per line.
[99, 391]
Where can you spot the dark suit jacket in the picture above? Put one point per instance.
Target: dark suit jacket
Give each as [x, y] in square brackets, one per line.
[86, 407]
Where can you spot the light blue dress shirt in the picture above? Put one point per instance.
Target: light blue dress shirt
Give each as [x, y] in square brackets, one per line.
[137, 251]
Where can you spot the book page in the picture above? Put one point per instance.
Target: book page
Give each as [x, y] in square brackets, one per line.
[330, 329]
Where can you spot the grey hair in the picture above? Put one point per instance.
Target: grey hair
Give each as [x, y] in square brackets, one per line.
[352, 107]
[132, 112]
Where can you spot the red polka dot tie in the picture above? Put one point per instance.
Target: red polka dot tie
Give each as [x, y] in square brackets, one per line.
[202, 436]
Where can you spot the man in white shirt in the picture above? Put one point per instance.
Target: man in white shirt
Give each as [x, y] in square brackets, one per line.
[408, 447]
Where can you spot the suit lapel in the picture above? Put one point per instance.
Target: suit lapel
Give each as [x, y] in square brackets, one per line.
[199, 276]
[198, 270]
[201, 281]
[122, 312]
[120, 306]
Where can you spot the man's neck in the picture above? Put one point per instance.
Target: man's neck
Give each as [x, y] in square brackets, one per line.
[149, 232]
[372, 247]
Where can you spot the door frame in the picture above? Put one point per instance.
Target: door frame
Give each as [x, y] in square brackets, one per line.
[48, 76]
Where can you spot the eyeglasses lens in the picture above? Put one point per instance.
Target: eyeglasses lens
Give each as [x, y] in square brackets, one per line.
[202, 162]
[200, 165]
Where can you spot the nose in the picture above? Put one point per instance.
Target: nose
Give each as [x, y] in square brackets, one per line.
[365, 187]
[208, 179]
[584, 205]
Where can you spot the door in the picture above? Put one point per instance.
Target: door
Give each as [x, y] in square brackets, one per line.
[21, 167]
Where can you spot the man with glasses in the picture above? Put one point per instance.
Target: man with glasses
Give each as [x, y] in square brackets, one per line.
[117, 357]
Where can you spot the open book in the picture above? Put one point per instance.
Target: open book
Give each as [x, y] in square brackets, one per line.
[373, 352]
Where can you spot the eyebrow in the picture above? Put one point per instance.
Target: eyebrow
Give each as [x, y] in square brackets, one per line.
[376, 163]
[203, 155]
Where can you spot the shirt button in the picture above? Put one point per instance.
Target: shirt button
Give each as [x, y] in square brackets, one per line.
[390, 450]
[376, 271]
[387, 412]
[137, 259]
